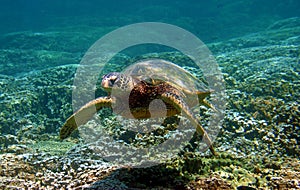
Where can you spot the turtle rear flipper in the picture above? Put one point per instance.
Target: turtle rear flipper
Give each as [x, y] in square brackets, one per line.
[84, 114]
[180, 105]
[203, 101]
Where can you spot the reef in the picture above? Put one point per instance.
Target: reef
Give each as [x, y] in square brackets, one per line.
[258, 143]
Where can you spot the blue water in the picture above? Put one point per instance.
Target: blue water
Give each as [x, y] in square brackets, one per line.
[211, 21]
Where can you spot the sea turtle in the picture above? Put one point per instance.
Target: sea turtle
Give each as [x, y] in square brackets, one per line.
[131, 92]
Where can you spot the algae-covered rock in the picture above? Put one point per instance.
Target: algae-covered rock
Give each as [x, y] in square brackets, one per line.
[35, 97]
[258, 142]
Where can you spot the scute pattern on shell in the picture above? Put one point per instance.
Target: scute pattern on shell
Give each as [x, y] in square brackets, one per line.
[158, 69]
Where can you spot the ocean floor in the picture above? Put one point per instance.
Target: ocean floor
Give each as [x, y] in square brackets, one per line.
[258, 143]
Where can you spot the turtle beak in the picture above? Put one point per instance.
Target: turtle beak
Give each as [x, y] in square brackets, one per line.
[105, 83]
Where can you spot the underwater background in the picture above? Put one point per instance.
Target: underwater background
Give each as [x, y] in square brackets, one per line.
[256, 44]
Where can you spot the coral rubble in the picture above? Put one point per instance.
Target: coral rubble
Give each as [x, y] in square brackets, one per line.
[258, 142]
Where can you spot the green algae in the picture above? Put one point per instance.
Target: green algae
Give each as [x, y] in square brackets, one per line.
[51, 147]
[258, 134]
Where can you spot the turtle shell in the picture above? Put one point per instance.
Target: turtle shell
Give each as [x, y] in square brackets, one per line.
[156, 70]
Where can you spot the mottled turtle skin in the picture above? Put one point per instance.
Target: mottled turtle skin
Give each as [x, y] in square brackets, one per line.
[141, 93]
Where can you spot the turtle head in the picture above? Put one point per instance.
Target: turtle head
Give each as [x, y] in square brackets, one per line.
[117, 81]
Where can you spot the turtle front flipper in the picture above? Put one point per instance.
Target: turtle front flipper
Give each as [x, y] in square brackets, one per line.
[180, 105]
[84, 114]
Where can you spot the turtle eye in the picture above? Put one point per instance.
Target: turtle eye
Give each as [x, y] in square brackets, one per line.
[112, 81]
